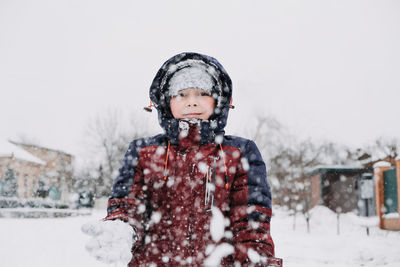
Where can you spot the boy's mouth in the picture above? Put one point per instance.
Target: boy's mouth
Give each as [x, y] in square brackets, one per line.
[191, 115]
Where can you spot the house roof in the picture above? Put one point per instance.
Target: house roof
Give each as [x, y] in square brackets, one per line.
[338, 169]
[7, 149]
[40, 147]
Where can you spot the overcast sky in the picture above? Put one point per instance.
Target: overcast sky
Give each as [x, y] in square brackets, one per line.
[327, 69]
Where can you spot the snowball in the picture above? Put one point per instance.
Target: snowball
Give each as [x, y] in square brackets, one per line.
[160, 150]
[141, 209]
[210, 248]
[217, 224]
[218, 254]
[111, 241]
[253, 255]
[219, 139]
[245, 164]
[156, 217]
[202, 167]
[170, 182]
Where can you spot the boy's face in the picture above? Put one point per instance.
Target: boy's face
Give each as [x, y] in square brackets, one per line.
[192, 103]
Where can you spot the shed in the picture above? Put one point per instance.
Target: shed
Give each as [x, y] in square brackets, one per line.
[338, 188]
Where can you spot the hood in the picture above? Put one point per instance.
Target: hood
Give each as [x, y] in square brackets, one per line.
[222, 93]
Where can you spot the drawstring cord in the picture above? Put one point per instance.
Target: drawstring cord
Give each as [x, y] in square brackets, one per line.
[166, 163]
[231, 106]
[148, 108]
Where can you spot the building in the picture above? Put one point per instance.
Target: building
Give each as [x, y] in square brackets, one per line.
[338, 188]
[39, 171]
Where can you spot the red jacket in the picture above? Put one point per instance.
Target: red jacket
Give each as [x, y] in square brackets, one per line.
[168, 183]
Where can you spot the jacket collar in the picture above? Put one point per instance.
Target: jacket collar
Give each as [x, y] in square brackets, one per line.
[206, 128]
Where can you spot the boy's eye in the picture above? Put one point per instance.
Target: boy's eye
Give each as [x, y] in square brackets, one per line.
[204, 94]
[181, 94]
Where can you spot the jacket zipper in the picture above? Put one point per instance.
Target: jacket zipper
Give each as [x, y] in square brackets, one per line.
[210, 184]
[190, 168]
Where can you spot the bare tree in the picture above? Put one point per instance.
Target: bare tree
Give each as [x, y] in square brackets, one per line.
[107, 137]
[389, 147]
[270, 135]
[290, 161]
[382, 148]
[385, 148]
[103, 136]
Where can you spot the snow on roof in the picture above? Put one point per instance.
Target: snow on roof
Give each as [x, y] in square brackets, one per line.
[8, 149]
[339, 167]
[382, 164]
[40, 147]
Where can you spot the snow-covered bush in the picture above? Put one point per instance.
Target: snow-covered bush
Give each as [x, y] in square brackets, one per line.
[13, 202]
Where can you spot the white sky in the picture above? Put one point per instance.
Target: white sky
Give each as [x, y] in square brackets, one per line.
[328, 69]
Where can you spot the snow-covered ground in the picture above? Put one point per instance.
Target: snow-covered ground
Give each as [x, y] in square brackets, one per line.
[60, 242]
[323, 247]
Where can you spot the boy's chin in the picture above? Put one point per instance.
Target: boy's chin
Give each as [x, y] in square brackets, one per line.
[189, 117]
[192, 120]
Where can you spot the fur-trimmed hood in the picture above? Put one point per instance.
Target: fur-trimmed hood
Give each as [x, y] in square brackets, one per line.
[221, 92]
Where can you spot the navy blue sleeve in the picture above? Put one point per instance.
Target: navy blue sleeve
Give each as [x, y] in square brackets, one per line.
[127, 200]
[251, 206]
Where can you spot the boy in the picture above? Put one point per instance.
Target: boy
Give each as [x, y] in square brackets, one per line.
[170, 185]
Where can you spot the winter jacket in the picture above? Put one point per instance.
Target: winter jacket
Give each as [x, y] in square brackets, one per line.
[168, 184]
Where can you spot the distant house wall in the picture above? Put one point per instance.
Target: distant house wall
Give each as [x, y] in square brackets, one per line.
[27, 174]
[4, 163]
[56, 173]
[316, 190]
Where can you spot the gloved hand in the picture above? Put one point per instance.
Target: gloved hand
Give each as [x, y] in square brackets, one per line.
[111, 241]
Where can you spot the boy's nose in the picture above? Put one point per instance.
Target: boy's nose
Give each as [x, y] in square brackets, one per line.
[192, 101]
[192, 104]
